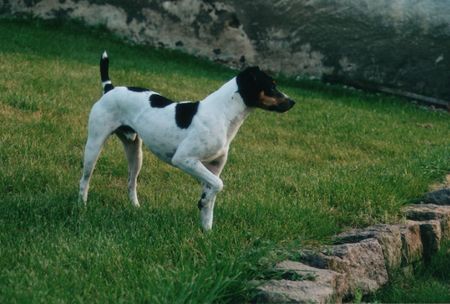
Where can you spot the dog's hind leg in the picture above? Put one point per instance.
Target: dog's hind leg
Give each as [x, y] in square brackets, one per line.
[133, 151]
[91, 152]
[101, 125]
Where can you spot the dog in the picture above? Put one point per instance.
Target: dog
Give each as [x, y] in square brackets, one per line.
[192, 136]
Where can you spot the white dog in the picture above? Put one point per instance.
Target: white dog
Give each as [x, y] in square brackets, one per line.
[192, 136]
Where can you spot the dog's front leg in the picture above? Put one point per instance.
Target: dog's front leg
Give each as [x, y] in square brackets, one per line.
[212, 184]
[208, 197]
[206, 206]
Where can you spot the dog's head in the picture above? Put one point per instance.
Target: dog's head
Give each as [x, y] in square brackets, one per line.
[258, 90]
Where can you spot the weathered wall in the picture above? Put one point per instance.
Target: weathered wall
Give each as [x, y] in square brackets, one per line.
[394, 43]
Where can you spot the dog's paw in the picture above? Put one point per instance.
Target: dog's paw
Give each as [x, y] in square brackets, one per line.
[206, 217]
[82, 201]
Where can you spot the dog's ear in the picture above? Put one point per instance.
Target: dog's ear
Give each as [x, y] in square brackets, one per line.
[248, 86]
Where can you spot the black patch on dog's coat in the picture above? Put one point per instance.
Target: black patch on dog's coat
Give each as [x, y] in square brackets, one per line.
[184, 113]
[138, 89]
[108, 87]
[104, 66]
[104, 76]
[250, 85]
[252, 82]
[158, 101]
[200, 203]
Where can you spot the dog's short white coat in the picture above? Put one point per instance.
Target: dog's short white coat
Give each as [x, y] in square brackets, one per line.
[200, 150]
[199, 147]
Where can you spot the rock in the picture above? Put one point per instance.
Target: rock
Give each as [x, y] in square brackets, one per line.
[412, 248]
[324, 277]
[199, 27]
[430, 234]
[387, 235]
[362, 263]
[345, 41]
[360, 259]
[284, 291]
[319, 286]
[438, 197]
[425, 212]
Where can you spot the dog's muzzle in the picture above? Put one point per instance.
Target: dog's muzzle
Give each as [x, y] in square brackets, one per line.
[283, 107]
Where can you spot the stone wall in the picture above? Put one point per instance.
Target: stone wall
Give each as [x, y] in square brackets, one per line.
[362, 260]
[401, 46]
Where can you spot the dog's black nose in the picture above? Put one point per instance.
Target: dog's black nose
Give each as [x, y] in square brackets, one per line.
[286, 106]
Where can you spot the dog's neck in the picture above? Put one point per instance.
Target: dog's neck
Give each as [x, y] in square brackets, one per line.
[229, 102]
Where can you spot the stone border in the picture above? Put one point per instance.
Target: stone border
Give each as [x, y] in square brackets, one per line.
[361, 260]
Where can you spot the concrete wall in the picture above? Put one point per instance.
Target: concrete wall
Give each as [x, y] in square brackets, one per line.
[398, 44]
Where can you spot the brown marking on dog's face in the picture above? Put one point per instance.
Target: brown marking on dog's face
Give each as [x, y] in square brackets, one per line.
[273, 101]
[267, 100]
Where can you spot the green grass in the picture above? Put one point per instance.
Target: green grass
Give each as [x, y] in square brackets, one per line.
[430, 283]
[338, 159]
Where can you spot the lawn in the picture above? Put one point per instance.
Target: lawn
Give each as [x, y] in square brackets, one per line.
[430, 283]
[339, 159]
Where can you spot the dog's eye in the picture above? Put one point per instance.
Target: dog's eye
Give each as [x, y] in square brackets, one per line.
[269, 91]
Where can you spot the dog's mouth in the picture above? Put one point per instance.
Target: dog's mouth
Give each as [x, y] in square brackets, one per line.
[283, 106]
[276, 101]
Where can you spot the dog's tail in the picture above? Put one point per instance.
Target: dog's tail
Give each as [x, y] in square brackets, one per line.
[104, 67]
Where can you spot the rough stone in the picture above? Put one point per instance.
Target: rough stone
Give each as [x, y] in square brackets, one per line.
[412, 248]
[362, 263]
[284, 291]
[346, 41]
[430, 233]
[319, 286]
[387, 235]
[438, 197]
[425, 212]
[198, 27]
[324, 277]
[358, 257]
